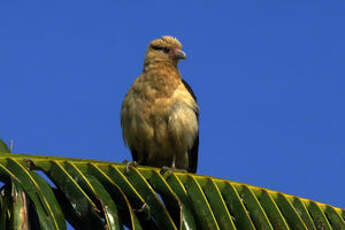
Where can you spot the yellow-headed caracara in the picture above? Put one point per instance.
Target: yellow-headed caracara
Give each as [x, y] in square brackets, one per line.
[160, 115]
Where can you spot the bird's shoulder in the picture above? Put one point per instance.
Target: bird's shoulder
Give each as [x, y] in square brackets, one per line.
[184, 95]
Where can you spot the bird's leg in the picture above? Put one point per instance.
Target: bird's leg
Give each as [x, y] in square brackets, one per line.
[173, 161]
[173, 167]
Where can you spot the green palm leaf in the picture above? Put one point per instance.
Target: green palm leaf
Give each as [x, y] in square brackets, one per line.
[104, 195]
[3, 147]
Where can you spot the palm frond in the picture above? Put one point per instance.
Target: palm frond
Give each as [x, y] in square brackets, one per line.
[104, 195]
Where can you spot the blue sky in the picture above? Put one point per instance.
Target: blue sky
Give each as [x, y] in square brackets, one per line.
[269, 78]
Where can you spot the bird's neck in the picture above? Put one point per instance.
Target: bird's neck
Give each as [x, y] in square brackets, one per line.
[161, 68]
[163, 78]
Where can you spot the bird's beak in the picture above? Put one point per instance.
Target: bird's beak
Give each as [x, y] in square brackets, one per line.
[179, 54]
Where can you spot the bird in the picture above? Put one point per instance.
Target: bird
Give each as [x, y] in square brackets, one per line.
[160, 113]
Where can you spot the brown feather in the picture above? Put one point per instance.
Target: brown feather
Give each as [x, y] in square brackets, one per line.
[159, 114]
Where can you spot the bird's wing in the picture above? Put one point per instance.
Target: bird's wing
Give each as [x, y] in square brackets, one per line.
[193, 152]
[125, 124]
[189, 89]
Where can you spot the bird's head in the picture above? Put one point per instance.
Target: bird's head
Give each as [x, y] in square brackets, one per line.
[166, 48]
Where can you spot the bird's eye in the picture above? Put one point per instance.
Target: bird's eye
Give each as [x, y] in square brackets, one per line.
[165, 50]
[157, 48]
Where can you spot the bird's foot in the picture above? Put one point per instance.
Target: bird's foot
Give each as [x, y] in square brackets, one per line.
[165, 169]
[129, 164]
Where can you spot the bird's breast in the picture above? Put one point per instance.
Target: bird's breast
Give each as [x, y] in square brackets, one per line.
[159, 121]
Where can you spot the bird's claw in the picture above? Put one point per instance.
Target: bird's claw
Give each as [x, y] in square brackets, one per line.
[130, 164]
[165, 169]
